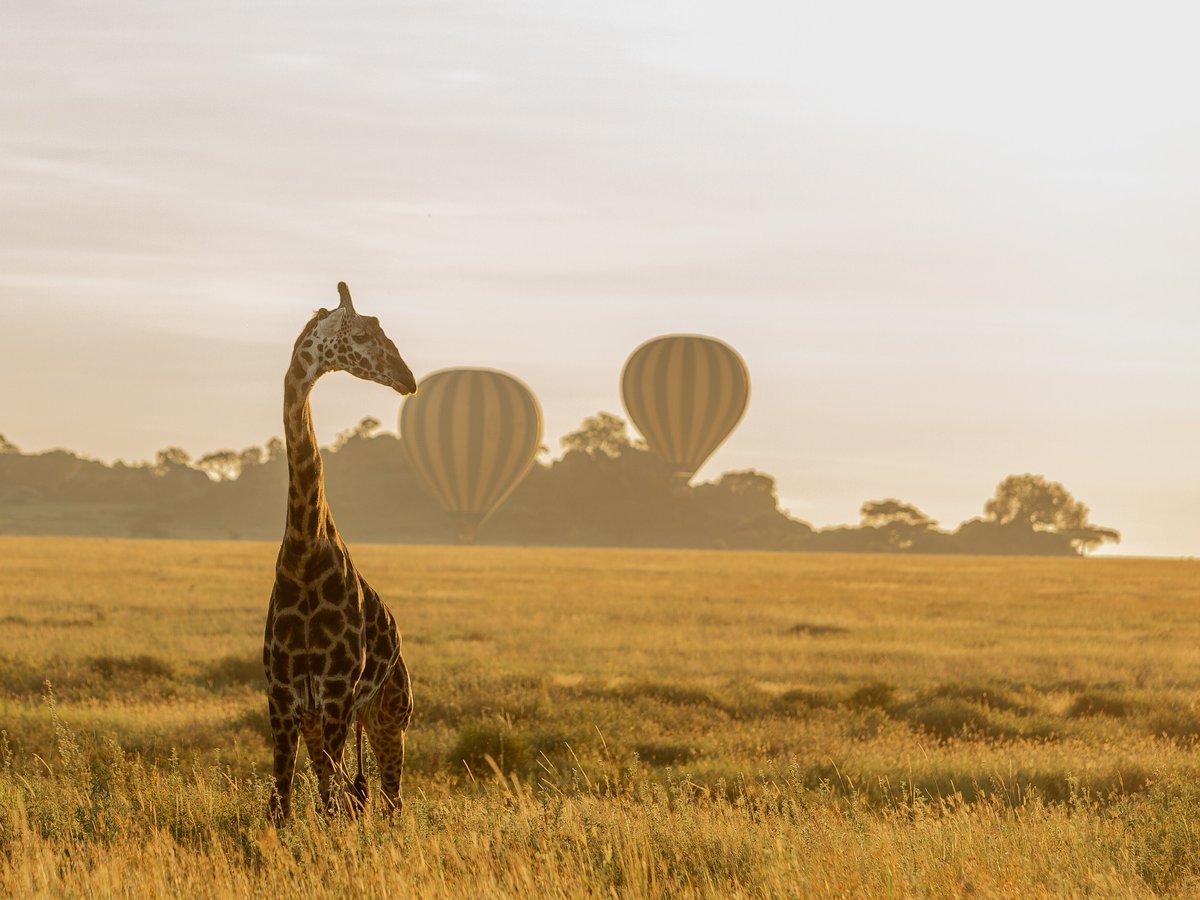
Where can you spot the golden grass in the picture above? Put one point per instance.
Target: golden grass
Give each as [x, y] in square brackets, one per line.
[599, 722]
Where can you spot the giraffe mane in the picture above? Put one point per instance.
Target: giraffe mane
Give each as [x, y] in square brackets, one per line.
[317, 316]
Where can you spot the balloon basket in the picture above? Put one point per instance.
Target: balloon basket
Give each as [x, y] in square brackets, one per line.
[468, 531]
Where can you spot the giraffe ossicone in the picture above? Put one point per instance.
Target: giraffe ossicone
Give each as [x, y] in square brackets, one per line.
[331, 650]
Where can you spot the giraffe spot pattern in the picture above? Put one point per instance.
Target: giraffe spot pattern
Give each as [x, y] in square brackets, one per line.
[331, 648]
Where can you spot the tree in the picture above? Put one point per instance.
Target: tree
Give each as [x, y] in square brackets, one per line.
[1088, 538]
[6, 446]
[880, 513]
[250, 457]
[223, 465]
[900, 524]
[170, 458]
[1036, 504]
[359, 432]
[748, 483]
[746, 494]
[275, 449]
[600, 435]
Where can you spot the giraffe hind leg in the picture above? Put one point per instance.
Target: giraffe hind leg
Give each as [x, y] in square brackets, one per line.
[388, 744]
[386, 729]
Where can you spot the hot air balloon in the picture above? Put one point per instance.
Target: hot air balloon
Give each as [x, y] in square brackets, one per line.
[685, 393]
[472, 435]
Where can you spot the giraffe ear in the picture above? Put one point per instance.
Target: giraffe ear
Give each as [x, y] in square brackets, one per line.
[344, 293]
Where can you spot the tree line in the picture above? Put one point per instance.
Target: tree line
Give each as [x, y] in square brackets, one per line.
[607, 489]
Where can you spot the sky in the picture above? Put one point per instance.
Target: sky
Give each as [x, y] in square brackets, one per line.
[952, 241]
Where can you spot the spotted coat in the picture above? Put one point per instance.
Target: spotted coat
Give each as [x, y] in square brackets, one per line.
[331, 648]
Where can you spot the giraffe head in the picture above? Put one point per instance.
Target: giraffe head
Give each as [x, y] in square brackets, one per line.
[341, 340]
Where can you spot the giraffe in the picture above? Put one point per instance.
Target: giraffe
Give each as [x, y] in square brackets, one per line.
[331, 649]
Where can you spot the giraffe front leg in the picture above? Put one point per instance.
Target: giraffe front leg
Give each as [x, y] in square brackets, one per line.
[284, 738]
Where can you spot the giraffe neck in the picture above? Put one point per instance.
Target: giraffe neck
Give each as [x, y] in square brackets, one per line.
[308, 516]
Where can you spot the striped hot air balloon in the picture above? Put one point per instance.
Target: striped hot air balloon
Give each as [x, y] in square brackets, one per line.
[685, 393]
[472, 435]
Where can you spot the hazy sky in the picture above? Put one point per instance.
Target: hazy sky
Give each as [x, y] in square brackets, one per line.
[952, 241]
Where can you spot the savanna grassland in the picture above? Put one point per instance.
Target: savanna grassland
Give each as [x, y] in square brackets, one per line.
[631, 723]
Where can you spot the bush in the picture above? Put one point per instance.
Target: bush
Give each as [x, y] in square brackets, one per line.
[1177, 724]
[664, 753]
[987, 696]
[670, 694]
[812, 629]
[949, 717]
[1099, 703]
[803, 698]
[497, 739]
[143, 664]
[875, 695]
[232, 671]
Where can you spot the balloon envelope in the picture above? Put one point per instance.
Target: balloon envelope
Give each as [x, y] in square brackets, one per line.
[472, 435]
[685, 393]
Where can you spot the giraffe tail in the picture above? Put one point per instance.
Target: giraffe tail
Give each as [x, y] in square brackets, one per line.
[360, 780]
[308, 707]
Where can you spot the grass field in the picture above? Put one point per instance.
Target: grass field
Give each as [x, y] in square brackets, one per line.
[631, 723]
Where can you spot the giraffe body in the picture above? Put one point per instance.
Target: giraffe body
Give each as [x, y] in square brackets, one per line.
[331, 650]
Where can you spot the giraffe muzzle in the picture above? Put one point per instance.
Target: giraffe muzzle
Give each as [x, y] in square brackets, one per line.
[403, 380]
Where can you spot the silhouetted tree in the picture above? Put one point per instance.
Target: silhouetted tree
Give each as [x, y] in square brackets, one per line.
[606, 490]
[223, 465]
[738, 510]
[899, 524]
[359, 432]
[748, 483]
[1036, 504]
[250, 457]
[877, 513]
[6, 446]
[600, 435]
[170, 458]
[1087, 539]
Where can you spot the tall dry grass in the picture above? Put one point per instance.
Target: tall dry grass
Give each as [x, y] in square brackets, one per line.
[616, 722]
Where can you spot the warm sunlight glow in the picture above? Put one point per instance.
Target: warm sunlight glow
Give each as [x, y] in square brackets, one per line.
[951, 241]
